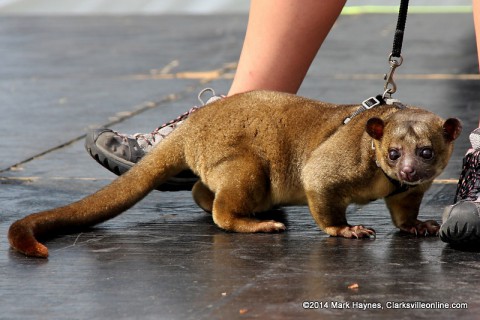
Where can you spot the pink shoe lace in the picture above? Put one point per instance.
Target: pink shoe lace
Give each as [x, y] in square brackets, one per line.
[469, 183]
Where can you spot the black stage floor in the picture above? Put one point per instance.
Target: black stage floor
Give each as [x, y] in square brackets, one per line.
[165, 259]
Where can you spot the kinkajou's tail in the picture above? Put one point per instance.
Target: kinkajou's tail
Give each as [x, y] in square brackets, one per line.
[164, 161]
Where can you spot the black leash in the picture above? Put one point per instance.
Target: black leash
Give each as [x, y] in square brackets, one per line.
[398, 39]
[395, 60]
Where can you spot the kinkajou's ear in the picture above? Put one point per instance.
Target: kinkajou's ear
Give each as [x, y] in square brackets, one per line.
[375, 127]
[452, 129]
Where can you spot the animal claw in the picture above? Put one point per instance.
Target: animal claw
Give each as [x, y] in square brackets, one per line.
[353, 232]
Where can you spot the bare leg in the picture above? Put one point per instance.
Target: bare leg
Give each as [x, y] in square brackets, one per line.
[476, 18]
[281, 42]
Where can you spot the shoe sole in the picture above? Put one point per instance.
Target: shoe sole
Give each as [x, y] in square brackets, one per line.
[461, 232]
[184, 181]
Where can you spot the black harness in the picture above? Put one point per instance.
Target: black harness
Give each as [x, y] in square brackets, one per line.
[399, 187]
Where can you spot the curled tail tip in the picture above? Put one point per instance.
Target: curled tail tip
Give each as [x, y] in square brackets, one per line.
[36, 251]
[22, 239]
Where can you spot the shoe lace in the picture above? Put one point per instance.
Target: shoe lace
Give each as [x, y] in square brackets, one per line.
[150, 138]
[469, 183]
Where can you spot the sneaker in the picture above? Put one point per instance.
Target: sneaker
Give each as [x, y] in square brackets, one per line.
[461, 221]
[119, 152]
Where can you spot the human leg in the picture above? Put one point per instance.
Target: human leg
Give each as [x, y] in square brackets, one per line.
[281, 42]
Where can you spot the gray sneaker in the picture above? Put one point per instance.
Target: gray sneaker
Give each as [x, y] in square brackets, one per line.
[119, 152]
[461, 224]
[461, 221]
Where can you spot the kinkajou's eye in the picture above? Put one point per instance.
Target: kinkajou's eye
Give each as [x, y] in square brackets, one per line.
[393, 154]
[426, 153]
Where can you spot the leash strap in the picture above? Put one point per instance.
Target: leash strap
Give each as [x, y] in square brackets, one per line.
[398, 38]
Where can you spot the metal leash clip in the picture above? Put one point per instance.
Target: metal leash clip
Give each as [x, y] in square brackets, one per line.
[390, 85]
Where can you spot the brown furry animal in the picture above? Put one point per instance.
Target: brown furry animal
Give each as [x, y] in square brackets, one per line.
[257, 150]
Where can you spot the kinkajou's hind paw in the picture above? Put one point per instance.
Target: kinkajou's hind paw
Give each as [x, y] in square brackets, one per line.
[271, 226]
